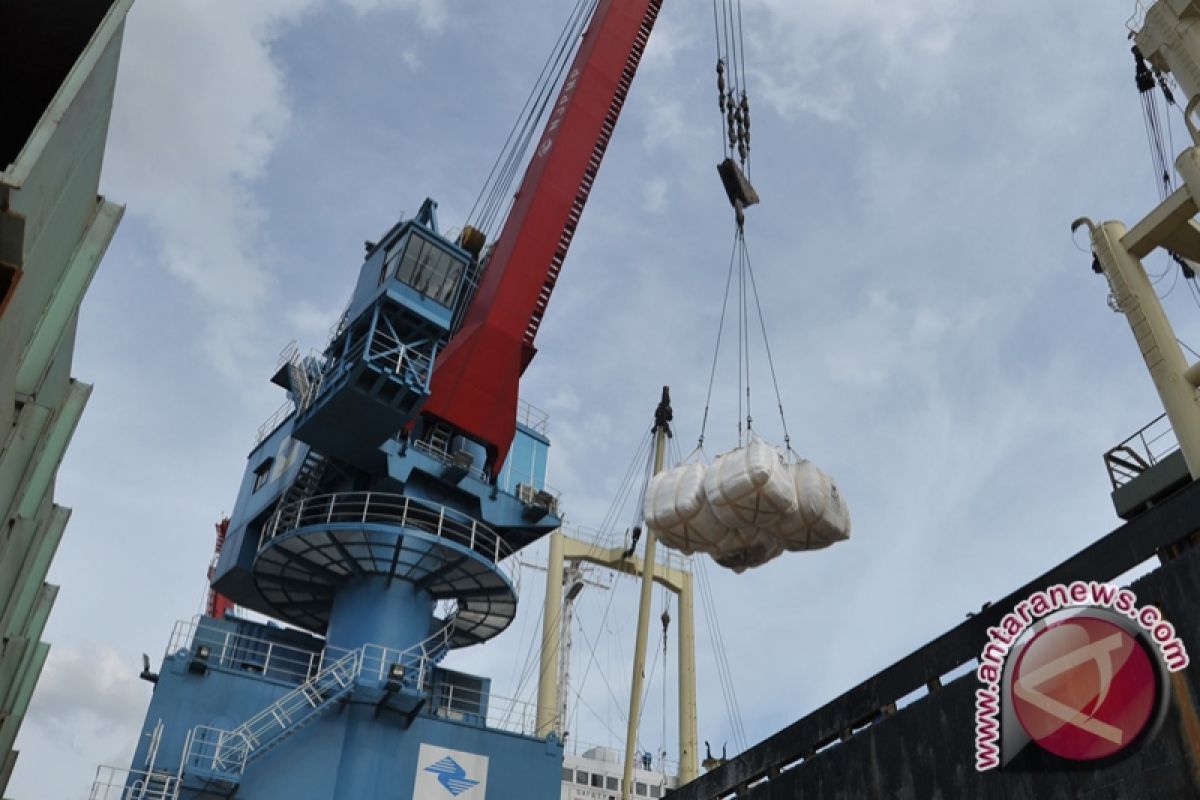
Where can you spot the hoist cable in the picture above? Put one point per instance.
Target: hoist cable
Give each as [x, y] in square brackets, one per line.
[717, 349]
[626, 486]
[741, 324]
[741, 47]
[496, 188]
[744, 329]
[787, 438]
[522, 117]
[720, 88]
[720, 654]
[502, 194]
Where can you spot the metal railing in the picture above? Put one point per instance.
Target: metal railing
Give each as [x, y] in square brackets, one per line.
[219, 753]
[238, 652]
[418, 661]
[433, 451]
[1139, 452]
[387, 509]
[274, 421]
[533, 417]
[224, 754]
[473, 706]
[396, 356]
[547, 497]
[115, 783]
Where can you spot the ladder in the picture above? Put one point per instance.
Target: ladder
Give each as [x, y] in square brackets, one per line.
[224, 755]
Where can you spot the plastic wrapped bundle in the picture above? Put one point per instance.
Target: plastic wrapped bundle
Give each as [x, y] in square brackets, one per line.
[751, 487]
[677, 509]
[745, 549]
[821, 517]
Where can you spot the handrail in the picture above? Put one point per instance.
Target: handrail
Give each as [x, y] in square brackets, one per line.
[431, 450]
[117, 783]
[274, 421]
[452, 701]
[238, 652]
[1140, 451]
[533, 417]
[387, 509]
[226, 753]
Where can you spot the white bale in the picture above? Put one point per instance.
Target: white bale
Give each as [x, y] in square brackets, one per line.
[747, 548]
[676, 508]
[795, 535]
[750, 487]
[822, 517]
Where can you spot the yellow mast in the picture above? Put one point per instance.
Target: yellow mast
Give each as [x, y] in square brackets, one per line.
[565, 548]
[1170, 41]
[662, 429]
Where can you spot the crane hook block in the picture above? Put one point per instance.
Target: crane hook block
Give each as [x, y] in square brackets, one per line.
[737, 186]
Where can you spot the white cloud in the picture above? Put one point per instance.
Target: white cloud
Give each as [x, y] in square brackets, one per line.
[810, 57]
[200, 107]
[432, 14]
[88, 695]
[311, 323]
[654, 195]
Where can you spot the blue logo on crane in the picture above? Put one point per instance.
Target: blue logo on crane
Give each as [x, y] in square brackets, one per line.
[451, 776]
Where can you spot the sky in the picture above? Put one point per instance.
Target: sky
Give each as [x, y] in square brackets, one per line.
[942, 347]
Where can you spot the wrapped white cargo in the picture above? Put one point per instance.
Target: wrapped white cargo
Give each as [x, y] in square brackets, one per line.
[677, 509]
[821, 517]
[751, 487]
[796, 535]
[747, 548]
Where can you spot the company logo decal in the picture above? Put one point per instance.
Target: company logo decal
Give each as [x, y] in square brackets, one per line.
[451, 775]
[1079, 671]
[443, 774]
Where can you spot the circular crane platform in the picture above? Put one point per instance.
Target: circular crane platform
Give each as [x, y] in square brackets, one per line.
[311, 546]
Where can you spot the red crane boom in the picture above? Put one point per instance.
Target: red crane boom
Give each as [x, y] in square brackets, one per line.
[475, 381]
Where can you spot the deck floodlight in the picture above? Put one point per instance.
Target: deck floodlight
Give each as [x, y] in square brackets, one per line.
[199, 663]
[395, 677]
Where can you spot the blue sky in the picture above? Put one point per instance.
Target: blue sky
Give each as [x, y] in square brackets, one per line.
[943, 348]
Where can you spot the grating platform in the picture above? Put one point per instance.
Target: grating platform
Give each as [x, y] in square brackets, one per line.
[312, 546]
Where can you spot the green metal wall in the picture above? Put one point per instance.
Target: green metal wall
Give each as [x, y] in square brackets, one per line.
[54, 229]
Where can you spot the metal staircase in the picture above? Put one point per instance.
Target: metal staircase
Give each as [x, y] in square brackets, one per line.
[219, 757]
[212, 754]
[305, 485]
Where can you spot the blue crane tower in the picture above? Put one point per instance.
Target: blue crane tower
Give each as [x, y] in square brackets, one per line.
[379, 537]
[381, 509]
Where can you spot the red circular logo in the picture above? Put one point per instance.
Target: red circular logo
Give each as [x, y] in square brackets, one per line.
[1084, 688]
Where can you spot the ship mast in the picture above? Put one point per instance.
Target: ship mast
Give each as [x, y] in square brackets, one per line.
[1170, 40]
[563, 549]
[662, 430]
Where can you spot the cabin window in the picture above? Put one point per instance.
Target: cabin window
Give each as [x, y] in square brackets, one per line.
[427, 268]
[597, 780]
[568, 774]
[639, 789]
[262, 474]
[612, 783]
[581, 778]
[655, 791]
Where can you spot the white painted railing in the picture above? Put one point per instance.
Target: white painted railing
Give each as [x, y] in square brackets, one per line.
[236, 652]
[388, 509]
[114, 783]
